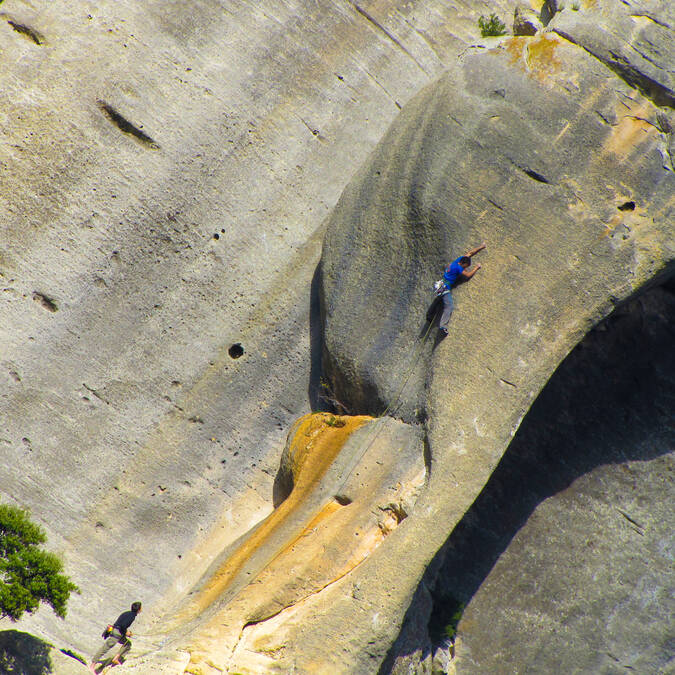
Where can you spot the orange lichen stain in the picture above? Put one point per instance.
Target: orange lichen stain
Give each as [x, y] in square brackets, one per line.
[317, 440]
[515, 48]
[541, 57]
[535, 55]
[326, 511]
[631, 131]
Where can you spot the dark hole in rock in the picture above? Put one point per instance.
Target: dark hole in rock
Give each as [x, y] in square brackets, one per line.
[342, 500]
[216, 236]
[627, 206]
[235, 351]
[48, 303]
[27, 31]
[536, 176]
[125, 125]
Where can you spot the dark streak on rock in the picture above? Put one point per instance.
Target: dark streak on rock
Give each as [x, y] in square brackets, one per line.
[369, 17]
[651, 18]
[534, 175]
[27, 31]
[630, 520]
[656, 92]
[95, 393]
[315, 132]
[603, 118]
[124, 125]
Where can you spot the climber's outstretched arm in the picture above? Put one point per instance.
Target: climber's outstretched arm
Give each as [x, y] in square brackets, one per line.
[467, 274]
[473, 251]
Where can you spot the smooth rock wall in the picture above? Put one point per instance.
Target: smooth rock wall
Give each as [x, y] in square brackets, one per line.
[567, 552]
[165, 169]
[556, 160]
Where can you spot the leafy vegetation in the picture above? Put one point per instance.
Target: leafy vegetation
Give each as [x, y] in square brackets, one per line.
[29, 575]
[445, 617]
[492, 26]
[74, 655]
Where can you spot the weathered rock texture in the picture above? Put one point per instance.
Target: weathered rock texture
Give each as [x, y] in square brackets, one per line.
[563, 166]
[565, 558]
[163, 197]
[164, 173]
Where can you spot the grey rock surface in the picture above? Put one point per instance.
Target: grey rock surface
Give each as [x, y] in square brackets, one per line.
[562, 165]
[634, 38]
[565, 561]
[165, 172]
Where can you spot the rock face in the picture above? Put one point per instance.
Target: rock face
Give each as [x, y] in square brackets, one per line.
[160, 329]
[633, 38]
[565, 559]
[353, 481]
[165, 173]
[555, 158]
[525, 21]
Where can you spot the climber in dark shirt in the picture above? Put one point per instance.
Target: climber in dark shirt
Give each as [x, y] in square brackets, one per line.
[117, 633]
[124, 620]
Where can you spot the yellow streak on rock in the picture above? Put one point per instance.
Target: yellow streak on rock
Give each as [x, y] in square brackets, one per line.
[515, 47]
[541, 57]
[327, 510]
[318, 439]
[535, 55]
[632, 130]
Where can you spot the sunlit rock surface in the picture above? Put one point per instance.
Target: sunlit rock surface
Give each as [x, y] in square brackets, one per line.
[544, 151]
[568, 550]
[166, 172]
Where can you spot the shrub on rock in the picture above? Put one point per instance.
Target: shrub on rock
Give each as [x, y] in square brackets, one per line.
[29, 575]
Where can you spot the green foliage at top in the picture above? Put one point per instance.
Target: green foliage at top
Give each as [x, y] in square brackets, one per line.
[28, 574]
[445, 616]
[492, 26]
[450, 629]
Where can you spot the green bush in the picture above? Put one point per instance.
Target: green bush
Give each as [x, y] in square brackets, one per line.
[450, 629]
[492, 26]
[28, 574]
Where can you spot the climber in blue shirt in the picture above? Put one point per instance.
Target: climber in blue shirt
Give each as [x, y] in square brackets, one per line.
[457, 270]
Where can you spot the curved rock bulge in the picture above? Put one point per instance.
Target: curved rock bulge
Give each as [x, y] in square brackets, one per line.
[130, 266]
[562, 166]
[147, 442]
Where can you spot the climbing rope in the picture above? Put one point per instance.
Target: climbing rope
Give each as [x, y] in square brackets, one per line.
[417, 354]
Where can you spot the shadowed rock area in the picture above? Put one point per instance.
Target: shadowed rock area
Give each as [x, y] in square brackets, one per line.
[564, 561]
[563, 167]
[585, 490]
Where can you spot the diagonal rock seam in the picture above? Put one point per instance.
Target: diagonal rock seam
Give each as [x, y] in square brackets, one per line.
[26, 31]
[656, 92]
